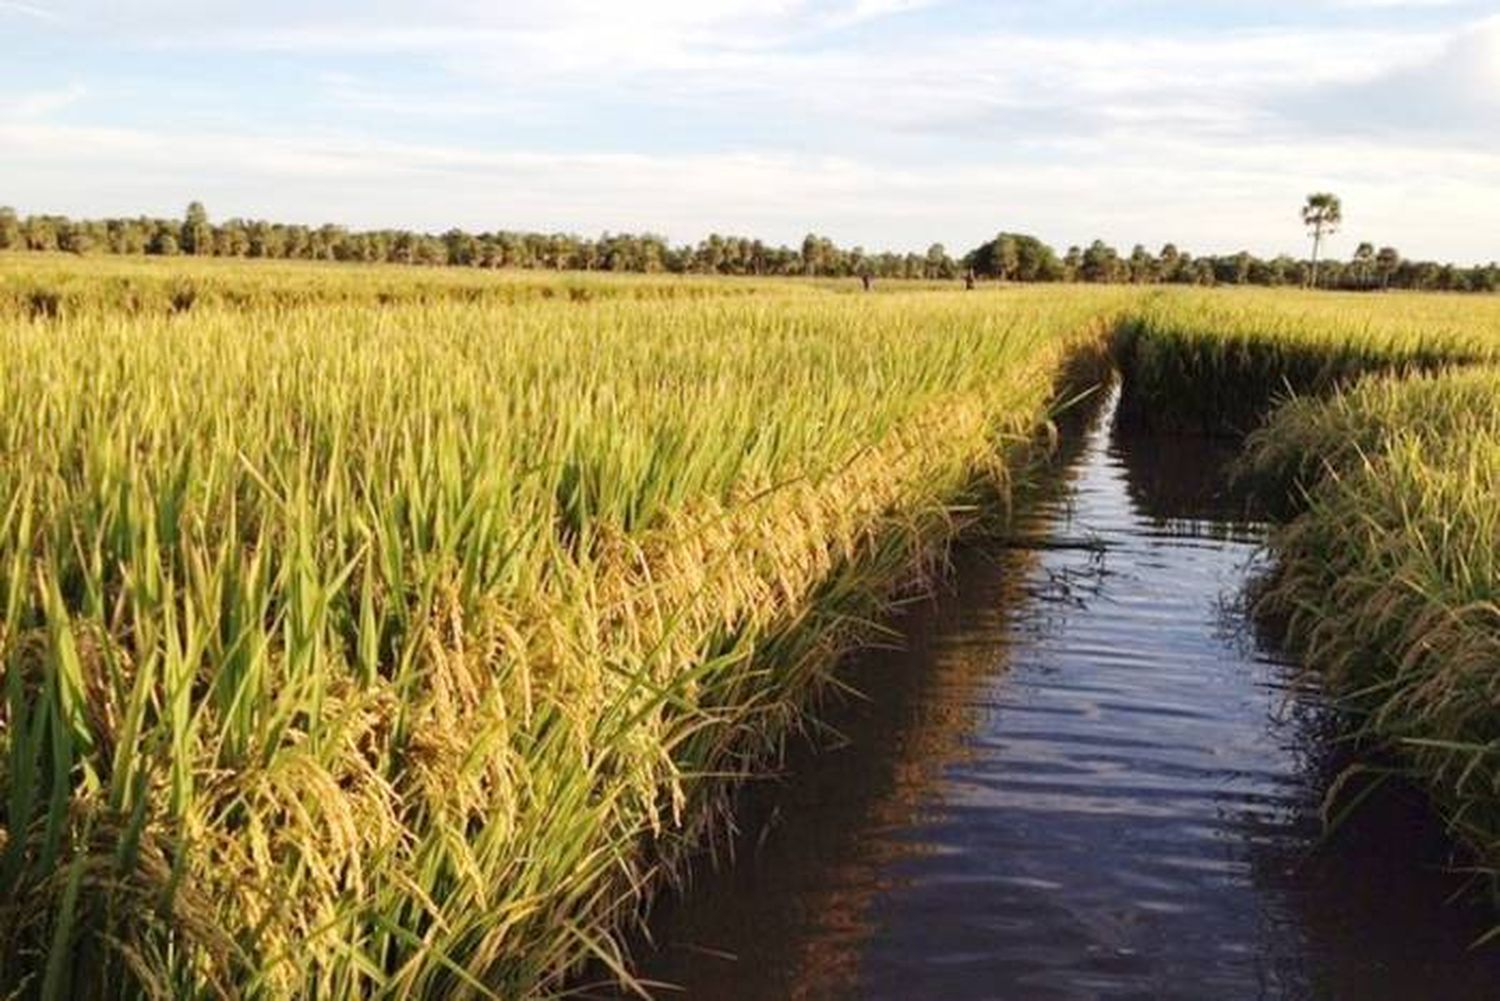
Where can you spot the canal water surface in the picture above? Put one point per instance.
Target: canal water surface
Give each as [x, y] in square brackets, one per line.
[1083, 776]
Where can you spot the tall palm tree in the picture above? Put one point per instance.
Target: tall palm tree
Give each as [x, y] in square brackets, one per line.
[1322, 215]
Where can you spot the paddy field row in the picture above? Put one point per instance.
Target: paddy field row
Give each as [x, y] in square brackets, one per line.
[398, 643]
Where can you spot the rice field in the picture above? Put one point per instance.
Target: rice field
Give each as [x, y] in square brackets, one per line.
[1217, 362]
[372, 651]
[1388, 580]
[52, 285]
[1382, 452]
[371, 634]
[45, 285]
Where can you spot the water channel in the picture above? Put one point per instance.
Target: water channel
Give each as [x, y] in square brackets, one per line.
[1084, 775]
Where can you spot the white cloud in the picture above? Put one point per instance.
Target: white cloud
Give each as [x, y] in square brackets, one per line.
[869, 10]
[28, 10]
[770, 117]
[1450, 96]
[1386, 4]
[41, 103]
[656, 27]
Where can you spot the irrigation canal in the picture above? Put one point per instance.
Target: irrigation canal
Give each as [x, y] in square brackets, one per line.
[1084, 776]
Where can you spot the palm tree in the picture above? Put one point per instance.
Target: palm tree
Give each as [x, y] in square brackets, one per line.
[1386, 262]
[1322, 215]
[1364, 257]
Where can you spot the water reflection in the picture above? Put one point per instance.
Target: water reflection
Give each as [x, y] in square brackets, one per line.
[1083, 778]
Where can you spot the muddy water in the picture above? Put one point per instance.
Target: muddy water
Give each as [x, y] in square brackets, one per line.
[1082, 777]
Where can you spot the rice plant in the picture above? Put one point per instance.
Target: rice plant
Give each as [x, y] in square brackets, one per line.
[1388, 578]
[377, 634]
[363, 651]
[1382, 451]
[1219, 361]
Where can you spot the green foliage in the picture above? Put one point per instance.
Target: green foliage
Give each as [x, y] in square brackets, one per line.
[1322, 214]
[1016, 257]
[1011, 256]
[197, 237]
[10, 229]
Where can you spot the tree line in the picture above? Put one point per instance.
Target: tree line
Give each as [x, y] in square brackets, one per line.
[1016, 257]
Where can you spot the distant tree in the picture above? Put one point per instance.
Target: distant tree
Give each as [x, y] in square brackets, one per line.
[1173, 265]
[1387, 262]
[299, 243]
[1071, 263]
[266, 240]
[937, 264]
[1424, 275]
[1099, 263]
[711, 255]
[1012, 256]
[1039, 262]
[1016, 257]
[1007, 257]
[1142, 265]
[1364, 262]
[197, 235]
[1284, 270]
[127, 236]
[859, 262]
[1321, 214]
[462, 247]
[759, 257]
[588, 255]
[75, 238]
[430, 251]
[40, 233]
[10, 229]
[810, 254]
[654, 254]
[231, 239]
[1241, 267]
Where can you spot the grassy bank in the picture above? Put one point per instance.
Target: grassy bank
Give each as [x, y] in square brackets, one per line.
[1219, 362]
[1388, 578]
[371, 651]
[1384, 457]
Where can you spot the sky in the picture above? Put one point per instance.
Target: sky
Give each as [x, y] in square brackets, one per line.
[890, 124]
